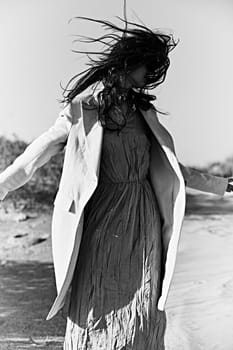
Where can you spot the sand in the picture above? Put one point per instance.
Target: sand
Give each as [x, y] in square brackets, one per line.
[200, 303]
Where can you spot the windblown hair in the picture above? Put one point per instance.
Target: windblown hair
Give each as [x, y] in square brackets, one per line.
[125, 49]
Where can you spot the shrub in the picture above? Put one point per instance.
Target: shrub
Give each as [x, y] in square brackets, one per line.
[41, 189]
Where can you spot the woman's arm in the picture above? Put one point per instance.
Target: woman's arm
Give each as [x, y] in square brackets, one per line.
[196, 179]
[204, 181]
[35, 155]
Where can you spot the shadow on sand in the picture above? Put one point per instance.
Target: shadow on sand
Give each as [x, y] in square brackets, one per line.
[27, 291]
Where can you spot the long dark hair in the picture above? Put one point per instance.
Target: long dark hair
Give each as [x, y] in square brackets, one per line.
[125, 49]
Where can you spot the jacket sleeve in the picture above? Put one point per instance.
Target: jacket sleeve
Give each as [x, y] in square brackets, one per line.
[35, 155]
[203, 181]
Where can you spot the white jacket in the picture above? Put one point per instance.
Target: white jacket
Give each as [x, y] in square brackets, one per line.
[77, 127]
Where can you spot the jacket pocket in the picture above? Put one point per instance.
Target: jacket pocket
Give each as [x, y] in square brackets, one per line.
[64, 202]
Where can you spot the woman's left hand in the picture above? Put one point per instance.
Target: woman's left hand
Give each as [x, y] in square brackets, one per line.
[230, 185]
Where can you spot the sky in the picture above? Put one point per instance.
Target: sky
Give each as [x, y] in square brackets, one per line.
[36, 42]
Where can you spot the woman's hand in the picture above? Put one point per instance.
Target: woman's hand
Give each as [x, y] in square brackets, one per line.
[230, 185]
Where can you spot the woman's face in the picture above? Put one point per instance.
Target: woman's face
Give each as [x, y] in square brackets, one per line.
[137, 77]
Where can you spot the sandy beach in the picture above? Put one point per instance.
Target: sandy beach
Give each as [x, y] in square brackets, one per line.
[200, 303]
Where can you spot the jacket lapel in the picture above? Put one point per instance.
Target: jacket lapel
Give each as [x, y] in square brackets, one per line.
[78, 182]
[93, 134]
[168, 185]
[161, 134]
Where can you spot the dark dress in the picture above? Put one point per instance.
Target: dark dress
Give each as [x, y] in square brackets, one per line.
[116, 283]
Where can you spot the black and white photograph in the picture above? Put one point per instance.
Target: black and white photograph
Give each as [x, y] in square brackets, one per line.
[116, 175]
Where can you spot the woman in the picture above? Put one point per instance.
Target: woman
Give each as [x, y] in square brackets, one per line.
[120, 205]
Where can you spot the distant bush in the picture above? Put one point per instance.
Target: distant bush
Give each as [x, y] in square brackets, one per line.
[41, 189]
[221, 168]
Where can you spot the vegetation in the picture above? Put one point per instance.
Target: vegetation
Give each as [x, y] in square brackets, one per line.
[40, 191]
[221, 168]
